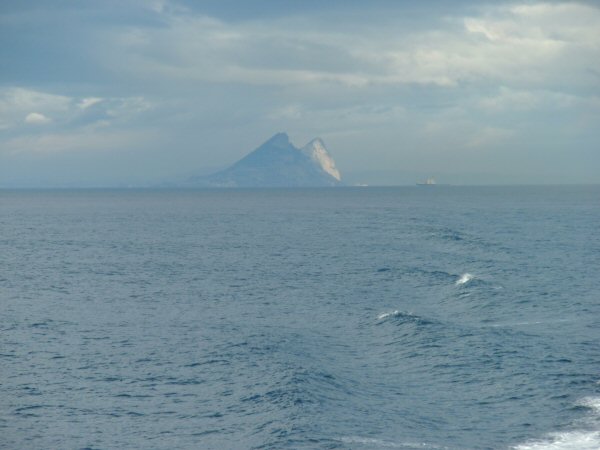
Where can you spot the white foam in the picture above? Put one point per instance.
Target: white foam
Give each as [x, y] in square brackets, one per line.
[572, 440]
[591, 402]
[464, 278]
[575, 440]
[383, 316]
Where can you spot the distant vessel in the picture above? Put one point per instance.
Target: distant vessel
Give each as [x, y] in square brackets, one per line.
[427, 182]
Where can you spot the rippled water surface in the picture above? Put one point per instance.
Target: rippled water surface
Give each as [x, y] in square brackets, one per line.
[413, 318]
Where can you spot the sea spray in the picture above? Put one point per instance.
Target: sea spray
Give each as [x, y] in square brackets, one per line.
[464, 279]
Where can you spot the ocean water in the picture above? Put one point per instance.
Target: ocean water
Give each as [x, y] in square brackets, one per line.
[351, 318]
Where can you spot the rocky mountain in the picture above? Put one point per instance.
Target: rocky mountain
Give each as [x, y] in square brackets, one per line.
[278, 163]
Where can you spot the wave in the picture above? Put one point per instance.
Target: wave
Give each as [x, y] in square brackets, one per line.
[373, 442]
[592, 403]
[464, 279]
[526, 323]
[417, 272]
[446, 234]
[384, 316]
[574, 440]
[582, 439]
[403, 317]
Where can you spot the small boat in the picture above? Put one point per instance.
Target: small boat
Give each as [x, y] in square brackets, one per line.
[427, 182]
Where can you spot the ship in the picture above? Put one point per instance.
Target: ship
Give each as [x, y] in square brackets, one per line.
[427, 182]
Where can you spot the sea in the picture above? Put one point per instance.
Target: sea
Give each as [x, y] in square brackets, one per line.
[417, 317]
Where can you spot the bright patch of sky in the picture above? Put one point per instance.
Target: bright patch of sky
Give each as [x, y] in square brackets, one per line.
[132, 92]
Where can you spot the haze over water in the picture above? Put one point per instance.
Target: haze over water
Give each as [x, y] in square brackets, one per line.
[362, 318]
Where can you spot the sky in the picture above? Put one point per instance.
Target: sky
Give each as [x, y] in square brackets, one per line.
[136, 92]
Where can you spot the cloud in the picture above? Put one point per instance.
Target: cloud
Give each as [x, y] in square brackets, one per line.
[89, 101]
[17, 102]
[510, 100]
[384, 82]
[490, 136]
[72, 123]
[541, 45]
[37, 107]
[35, 118]
[84, 140]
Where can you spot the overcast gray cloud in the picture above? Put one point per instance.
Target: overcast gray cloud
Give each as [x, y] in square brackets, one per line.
[106, 92]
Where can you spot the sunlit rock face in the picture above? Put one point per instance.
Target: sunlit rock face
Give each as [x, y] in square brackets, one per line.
[278, 163]
[317, 152]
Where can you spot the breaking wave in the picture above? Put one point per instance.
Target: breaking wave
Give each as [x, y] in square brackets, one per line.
[384, 316]
[582, 439]
[403, 317]
[464, 279]
[575, 440]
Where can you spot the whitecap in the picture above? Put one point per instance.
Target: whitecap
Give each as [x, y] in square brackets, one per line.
[590, 402]
[582, 439]
[574, 440]
[464, 278]
[384, 316]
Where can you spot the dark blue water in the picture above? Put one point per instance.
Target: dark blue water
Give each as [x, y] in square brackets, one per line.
[413, 318]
